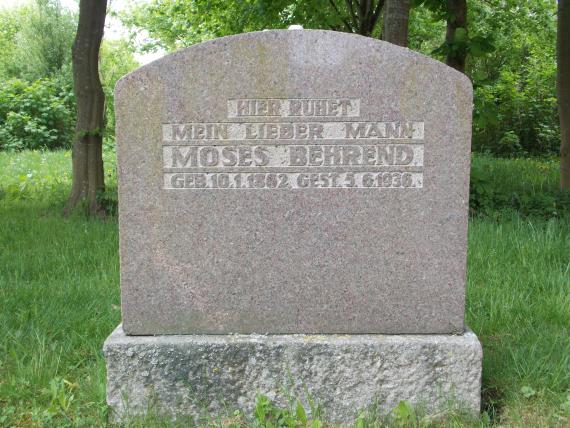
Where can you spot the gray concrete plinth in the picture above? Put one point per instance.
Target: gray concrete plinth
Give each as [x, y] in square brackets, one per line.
[213, 374]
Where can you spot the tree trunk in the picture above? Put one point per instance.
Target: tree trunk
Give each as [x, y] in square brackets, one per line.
[395, 26]
[456, 18]
[563, 49]
[87, 163]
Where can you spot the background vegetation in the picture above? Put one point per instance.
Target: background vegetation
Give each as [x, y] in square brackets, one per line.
[59, 281]
[37, 105]
[512, 61]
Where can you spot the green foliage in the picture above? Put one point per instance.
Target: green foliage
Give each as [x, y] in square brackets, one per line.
[509, 145]
[180, 23]
[526, 186]
[117, 60]
[515, 85]
[40, 114]
[9, 26]
[37, 107]
[173, 24]
[42, 41]
[528, 391]
[268, 415]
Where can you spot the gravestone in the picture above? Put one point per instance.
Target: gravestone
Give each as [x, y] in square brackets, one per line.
[293, 202]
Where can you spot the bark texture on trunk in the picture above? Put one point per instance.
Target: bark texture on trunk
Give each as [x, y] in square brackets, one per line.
[563, 86]
[87, 163]
[395, 26]
[456, 18]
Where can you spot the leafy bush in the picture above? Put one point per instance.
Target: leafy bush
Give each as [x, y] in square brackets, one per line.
[35, 115]
[509, 145]
[515, 85]
[527, 186]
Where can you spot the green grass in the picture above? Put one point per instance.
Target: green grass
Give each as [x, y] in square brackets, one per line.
[59, 299]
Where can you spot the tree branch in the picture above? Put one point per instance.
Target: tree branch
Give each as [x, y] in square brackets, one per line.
[342, 18]
[350, 6]
[378, 10]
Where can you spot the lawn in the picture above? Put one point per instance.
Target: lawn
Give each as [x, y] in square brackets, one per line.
[59, 297]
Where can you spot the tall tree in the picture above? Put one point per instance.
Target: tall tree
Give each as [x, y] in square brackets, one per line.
[174, 24]
[87, 164]
[563, 49]
[395, 25]
[456, 36]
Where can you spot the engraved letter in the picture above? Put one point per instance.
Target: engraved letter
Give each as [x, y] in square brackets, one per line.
[297, 156]
[393, 130]
[250, 132]
[199, 131]
[373, 131]
[208, 156]
[345, 104]
[331, 155]
[261, 155]
[301, 131]
[404, 155]
[242, 108]
[315, 130]
[220, 129]
[177, 181]
[369, 157]
[315, 155]
[261, 108]
[386, 155]
[407, 129]
[351, 155]
[294, 108]
[357, 132]
[229, 155]
[333, 108]
[244, 156]
[180, 160]
[286, 131]
[320, 107]
[274, 108]
[308, 108]
[179, 132]
[271, 131]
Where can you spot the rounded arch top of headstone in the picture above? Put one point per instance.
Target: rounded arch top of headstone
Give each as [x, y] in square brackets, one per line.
[313, 45]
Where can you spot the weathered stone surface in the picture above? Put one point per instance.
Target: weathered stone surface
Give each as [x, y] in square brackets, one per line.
[244, 200]
[213, 374]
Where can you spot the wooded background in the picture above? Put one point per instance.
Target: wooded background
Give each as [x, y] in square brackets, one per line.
[508, 48]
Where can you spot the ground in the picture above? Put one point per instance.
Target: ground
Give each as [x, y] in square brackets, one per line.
[59, 300]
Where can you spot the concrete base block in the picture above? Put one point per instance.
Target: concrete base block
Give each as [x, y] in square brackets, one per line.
[215, 374]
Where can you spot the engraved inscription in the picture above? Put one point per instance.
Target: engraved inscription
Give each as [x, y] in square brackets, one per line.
[293, 144]
[293, 131]
[294, 107]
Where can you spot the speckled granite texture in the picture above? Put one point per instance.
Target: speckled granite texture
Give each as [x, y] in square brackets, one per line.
[388, 259]
[216, 374]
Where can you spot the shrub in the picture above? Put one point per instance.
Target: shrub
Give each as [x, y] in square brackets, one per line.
[509, 145]
[527, 186]
[36, 115]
